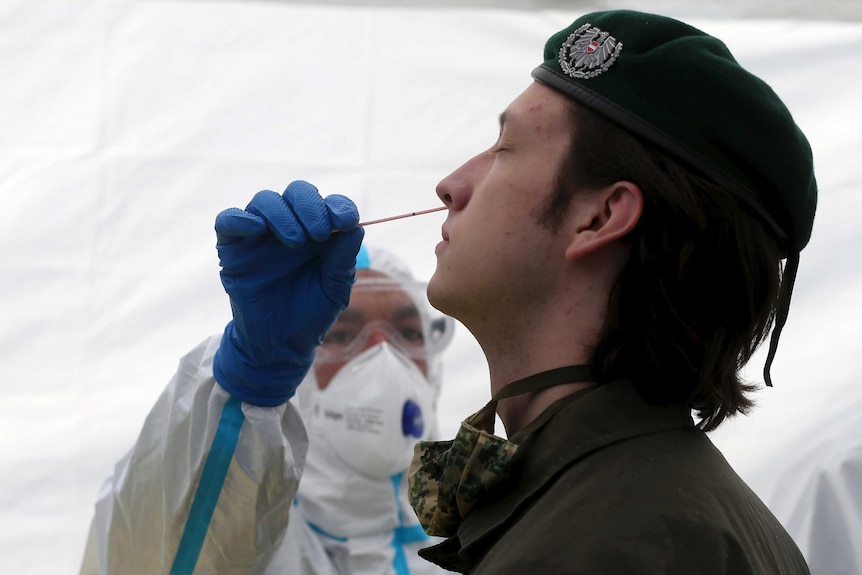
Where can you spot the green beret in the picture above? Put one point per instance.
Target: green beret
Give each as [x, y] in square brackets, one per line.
[682, 90]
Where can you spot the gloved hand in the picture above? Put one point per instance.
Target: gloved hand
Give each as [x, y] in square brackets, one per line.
[288, 277]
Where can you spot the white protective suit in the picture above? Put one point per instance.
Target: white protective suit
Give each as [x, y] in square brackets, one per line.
[211, 482]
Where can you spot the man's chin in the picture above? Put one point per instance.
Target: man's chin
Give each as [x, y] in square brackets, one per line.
[437, 295]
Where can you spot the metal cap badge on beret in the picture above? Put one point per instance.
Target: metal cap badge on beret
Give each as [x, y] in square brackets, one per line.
[683, 91]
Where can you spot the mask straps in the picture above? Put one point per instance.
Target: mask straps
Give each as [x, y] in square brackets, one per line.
[546, 379]
[538, 382]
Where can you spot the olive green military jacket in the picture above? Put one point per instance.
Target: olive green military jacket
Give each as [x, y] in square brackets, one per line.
[614, 485]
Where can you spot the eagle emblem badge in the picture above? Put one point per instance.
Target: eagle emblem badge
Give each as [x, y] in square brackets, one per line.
[588, 51]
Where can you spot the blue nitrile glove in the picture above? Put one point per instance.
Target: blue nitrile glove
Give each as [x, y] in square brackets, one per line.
[288, 277]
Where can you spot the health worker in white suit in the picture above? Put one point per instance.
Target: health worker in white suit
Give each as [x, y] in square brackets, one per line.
[368, 399]
[239, 469]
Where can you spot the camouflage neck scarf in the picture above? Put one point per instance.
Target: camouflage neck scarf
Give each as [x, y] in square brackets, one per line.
[447, 478]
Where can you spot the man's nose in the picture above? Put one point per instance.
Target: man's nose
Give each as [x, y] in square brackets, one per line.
[456, 188]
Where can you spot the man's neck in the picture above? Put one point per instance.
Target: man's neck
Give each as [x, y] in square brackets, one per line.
[531, 354]
[539, 334]
[519, 411]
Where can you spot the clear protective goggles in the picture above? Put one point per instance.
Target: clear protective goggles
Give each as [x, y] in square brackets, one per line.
[382, 309]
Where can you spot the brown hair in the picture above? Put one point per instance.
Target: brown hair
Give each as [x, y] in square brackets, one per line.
[698, 294]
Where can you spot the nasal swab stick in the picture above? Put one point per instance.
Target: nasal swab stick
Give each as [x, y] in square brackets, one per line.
[410, 215]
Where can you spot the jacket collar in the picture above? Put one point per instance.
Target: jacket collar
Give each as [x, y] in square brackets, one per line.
[611, 413]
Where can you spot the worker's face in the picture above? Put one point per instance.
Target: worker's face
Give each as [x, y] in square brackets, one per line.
[376, 314]
[494, 252]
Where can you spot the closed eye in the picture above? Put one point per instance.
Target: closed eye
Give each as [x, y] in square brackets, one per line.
[500, 145]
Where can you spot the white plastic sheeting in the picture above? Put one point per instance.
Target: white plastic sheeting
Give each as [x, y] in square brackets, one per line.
[127, 126]
[817, 491]
[835, 10]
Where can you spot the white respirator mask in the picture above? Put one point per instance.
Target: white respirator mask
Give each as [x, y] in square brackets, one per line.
[372, 413]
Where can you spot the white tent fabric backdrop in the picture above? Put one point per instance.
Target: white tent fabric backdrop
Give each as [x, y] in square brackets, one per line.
[128, 125]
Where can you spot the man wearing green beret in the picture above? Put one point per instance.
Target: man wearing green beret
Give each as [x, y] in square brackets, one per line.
[619, 253]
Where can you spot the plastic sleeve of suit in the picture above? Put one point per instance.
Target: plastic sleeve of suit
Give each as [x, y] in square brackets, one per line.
[206, 488]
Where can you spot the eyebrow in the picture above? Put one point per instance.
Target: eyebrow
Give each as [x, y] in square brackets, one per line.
[406, 311]
[351, 315]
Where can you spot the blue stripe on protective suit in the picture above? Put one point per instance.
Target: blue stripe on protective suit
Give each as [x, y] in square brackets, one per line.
[209, 488]
[362, 260]
[403, 534]
[410, 534]
[325, 533]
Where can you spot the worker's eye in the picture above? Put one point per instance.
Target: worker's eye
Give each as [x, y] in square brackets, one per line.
[412, 335]
[339, 336]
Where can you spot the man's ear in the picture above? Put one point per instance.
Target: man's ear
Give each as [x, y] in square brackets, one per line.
[607, 216]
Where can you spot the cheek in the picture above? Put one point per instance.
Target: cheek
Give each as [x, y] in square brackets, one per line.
[324, 372]
[510, 193]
